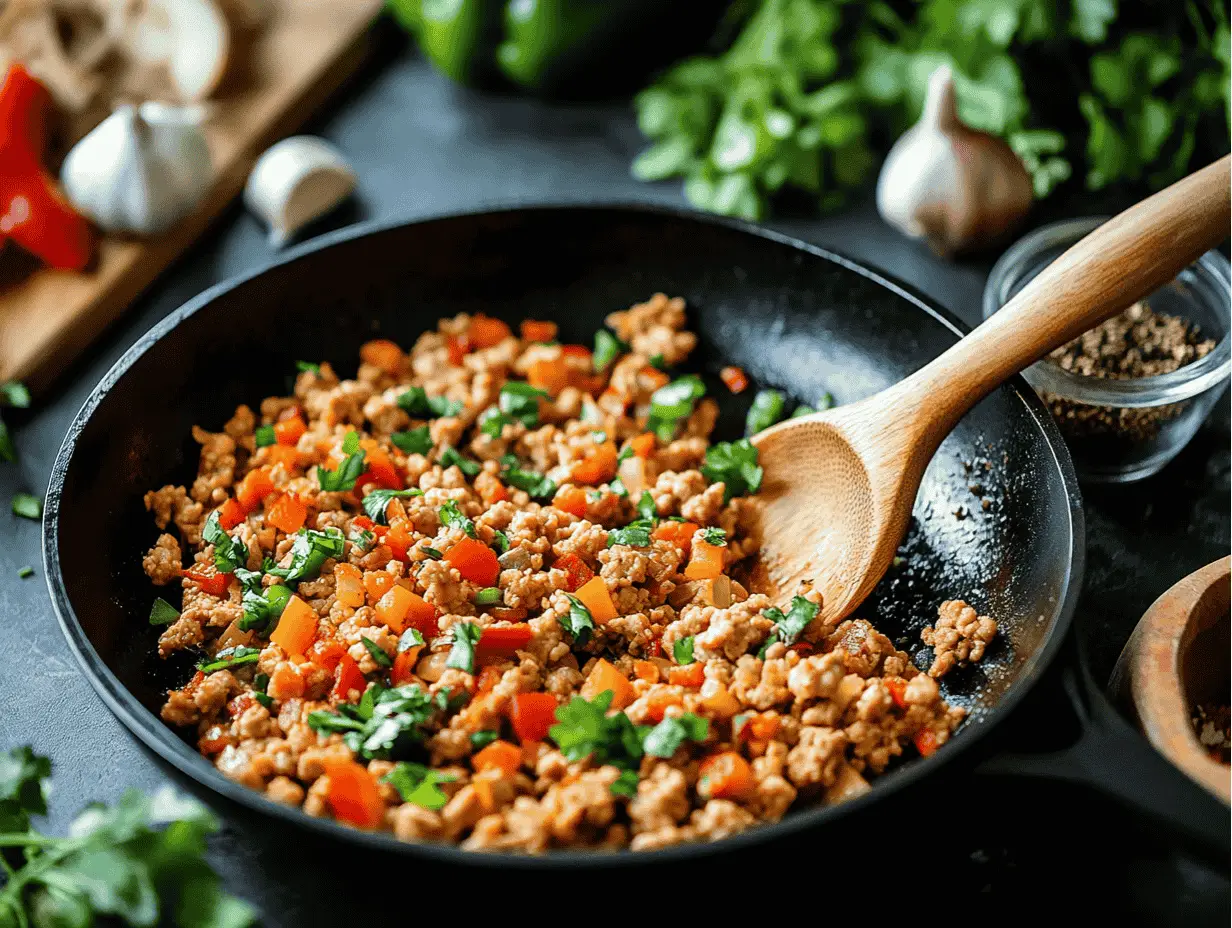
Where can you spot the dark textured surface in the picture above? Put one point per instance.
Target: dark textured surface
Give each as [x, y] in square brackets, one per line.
[422, 147]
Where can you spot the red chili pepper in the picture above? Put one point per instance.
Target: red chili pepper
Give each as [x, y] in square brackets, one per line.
[33, 213]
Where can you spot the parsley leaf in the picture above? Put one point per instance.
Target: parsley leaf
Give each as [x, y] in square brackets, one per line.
[767, 409]
[413, 441]
[584, 729]
[417, 403]
[307, 367]
[626, 784]
[636, 534]
[229, 553]
[309, 552]
[230, 657]
[431, 552]
[646, 509]
[607, 349]
[343, 479]
[452, 516]
[263, 607]
[377, 501]
[520, 401]
[378, 653]
[537, 485]
[163, 613]
[666, 738]
[451, 458]
[578, 622]
[411, 638]
[481, 739]
[673, 403]
[492, 422]
[714, 536]
[264, 436]
[735, 464]
[385, 725]
[788, 628]
[466, 636]
[27, 506]
[419, 784]
[15, 394]
[502, 541]
[682, 650]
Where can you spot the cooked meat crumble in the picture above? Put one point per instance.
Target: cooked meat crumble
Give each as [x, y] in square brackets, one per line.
[960, 637]
[491, 591]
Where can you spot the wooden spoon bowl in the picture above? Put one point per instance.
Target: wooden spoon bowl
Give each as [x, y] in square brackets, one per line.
[1178, 657]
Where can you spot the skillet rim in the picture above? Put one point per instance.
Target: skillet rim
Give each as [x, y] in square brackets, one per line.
[156, 736]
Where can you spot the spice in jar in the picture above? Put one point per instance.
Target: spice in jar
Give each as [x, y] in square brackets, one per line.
[1139, 342]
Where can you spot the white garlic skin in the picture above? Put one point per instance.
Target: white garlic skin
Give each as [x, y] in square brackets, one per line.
[139, 171]
[295, 182]
[955, 187]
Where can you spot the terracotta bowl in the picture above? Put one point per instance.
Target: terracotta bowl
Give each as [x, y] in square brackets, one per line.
[1178, 657]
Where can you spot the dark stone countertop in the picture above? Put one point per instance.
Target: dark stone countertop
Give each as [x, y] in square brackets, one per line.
[423, 147]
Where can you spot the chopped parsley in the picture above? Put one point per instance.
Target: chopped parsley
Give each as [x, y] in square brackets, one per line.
[488, 596]
[788, 628]
[417, 403]
[411, 638]
[262, 608]
[362, 539]
[309, 552]
[636, 534]
[452, 516]
[658, 362]
[377, 501]
[537, 485]
[451, 458]
[502, 541]
[492, 422]
[25, 572]
[259, 685]
[578, 622]
[481, 739]
[264, 436]
[735, 464]
[307, 367]
[385, 724]
[162, 612]
[767, 409]
[646, 509]
[230, 554]
[27, 506]
[714, 536]
[413, 441]
[520, 401]
[466, 636]
[666, 738]
[431, 552]
[607, 349]
[378, 653]
[230, 657]
[672, 404]
[343, 479]
[419, 784]
[682, 650]
[15, 394]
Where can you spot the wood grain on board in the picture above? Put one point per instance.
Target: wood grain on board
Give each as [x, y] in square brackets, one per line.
[306, 50]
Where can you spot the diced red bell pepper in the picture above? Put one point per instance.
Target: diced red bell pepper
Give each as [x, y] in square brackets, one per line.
[354, 795]
[505, 639]
[532, 714]
[474, 560]
[213, 583]
[571, 500]
[347, 677]
[577, 572]
[231, 514]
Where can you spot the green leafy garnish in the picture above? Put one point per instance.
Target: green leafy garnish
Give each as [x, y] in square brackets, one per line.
[537, 485]
[584, 729]
[451, 458]
[735, 464]
[419, 784]
[307, 367]
[659, 363]
[520, 401]
[682, 650]
[788, 628]
[452, 516]
[825, 401]
[413, 441]
[488, 596]
[230, 657]
[625, 784]
[261, 607]
[481, 739]
[27, 506]
[431, 552]
[162, 612]
[384, 725]
[647, 511]
[466, 636]
[607, 349]
[309, 552]
[15, 394]
[264, 436]
[672, 404]
[636, 534]
[714, 536]
[259, 685]
[417, 403]
[230, 554]
[578, 622]
[666, 738]
[411, 638]
[377, 501]
[25, 572]
[502, 541]
[492, 422]
[343, 479]
[378, 653]
[767, 409]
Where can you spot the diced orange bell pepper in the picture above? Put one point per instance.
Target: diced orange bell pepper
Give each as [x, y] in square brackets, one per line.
[598, 468]
[488, 678]
[231, 514]
[403, 671]
[399, 537]
[693, 675]
[210, 582]
[287, 432]
[532, 714]
[734, 379]
[721, 703]
[255, 486]
[898, 690]
[457, 346]
[379, 468]
[577, 572]
[297, 627]
[926, 742]
[484, 331]
[643, 445]
[354, 795]
[505, 639]
[595, 597]
[288, 457]
[678, 533]
[348, 679]
[603, 677]
[285, 683]
[392, 608]
[382, 353]
[551, 375]
[571, 500]
[349, 585]
[501, 754]
[580, 352]
[288, 513]
[706, 561]
[646, 670]
[659, 701]
[474, 560]
[535, 331]
[725, 775]
[326, 652]
[492, 491]
[377, 583]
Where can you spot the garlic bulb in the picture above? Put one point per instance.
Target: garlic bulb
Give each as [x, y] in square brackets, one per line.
[140, 170]
[296, 181]
[949, 184]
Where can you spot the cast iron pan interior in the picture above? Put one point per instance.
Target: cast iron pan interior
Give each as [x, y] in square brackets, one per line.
[791, 315]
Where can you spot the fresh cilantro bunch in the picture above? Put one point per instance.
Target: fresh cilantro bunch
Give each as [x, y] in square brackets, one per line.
[139, 863]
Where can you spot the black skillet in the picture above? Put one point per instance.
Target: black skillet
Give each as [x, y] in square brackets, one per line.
[792, 315]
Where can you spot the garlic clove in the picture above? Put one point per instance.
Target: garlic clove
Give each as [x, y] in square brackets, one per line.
[193, 39]
[948, 184]
[296, 181]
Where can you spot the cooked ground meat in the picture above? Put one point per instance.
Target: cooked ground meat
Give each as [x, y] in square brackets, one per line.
[474, 595]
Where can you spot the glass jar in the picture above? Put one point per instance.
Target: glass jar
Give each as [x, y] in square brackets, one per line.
[1124, 430]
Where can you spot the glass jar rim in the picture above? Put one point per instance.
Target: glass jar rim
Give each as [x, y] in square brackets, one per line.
[1181, 384]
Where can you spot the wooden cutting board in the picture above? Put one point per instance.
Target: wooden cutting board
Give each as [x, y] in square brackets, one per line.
[305, 51]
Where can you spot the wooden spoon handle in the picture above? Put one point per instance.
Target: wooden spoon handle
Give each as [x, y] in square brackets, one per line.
[1125, 259]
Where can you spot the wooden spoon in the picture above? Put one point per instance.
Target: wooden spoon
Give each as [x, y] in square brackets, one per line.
[839, 485]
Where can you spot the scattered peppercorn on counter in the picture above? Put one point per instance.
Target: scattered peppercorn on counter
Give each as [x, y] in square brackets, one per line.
[493, 592]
